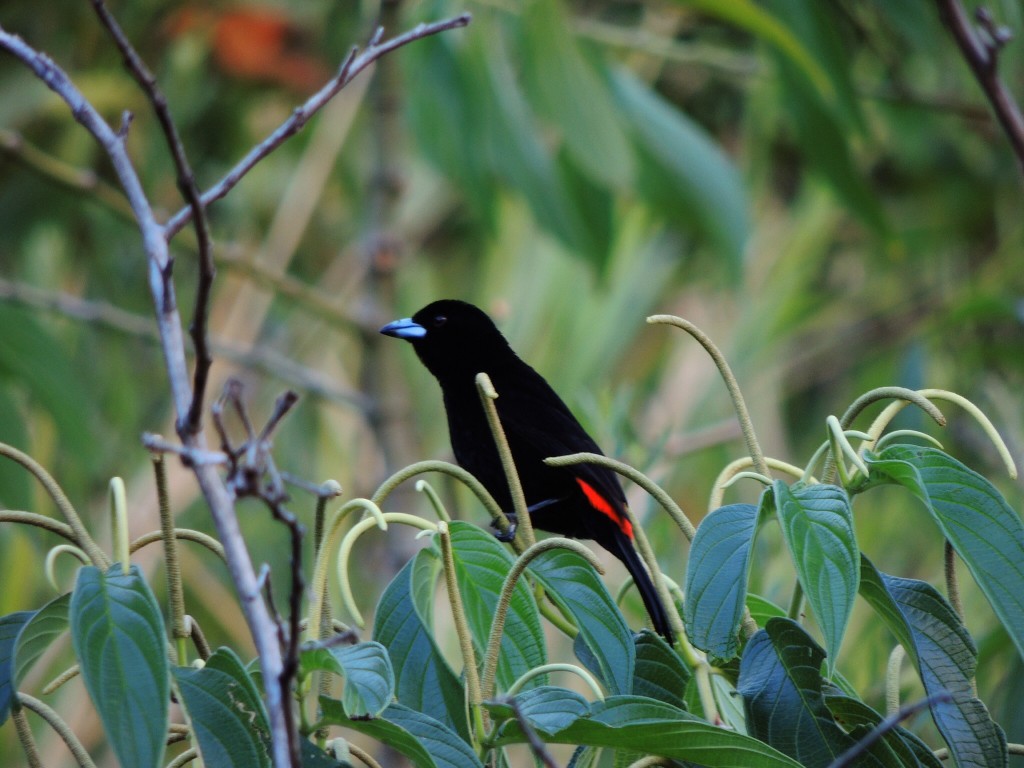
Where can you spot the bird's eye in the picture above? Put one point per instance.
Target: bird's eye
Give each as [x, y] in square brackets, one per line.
[440, 320]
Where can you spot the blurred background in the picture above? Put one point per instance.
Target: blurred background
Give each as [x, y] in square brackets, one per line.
[819, 186]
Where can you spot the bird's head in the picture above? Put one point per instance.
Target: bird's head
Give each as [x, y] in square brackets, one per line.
[452, 338]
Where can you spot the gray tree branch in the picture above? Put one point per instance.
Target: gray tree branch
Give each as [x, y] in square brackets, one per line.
[982, 56]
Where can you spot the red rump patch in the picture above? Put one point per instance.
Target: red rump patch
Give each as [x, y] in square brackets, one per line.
[598, 502]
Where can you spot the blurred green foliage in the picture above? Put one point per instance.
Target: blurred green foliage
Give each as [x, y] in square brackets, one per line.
[820, 186]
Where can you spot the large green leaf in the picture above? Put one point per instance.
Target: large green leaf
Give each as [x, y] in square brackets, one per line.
[574, 585]
[423, 679]
[45, 626]
[118, 635]
[427, 742]
[944, 654]
[547, 708]
[716, 578]
[10, 626]
[683, 172]
[898, 747]
[817, 525]
[366, 669]
[651, 727]
[228, 720]
[985, 531]
[565, 90]
[660, 673]
[481, 565]
[781, 684]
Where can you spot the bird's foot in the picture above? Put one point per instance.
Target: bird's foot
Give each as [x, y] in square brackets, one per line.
[513, 524]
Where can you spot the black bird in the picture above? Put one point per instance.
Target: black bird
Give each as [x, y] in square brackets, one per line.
[456, 341]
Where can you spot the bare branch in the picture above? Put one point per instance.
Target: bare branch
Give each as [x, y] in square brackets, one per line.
[282, 405]
[850, 756]
[538, 747]
[350, 67]
[278, 670]
[982, 56]
[190, 191]
[190, 456]
[172, 343]
[154, 244]
[263, 359]
[252, 472]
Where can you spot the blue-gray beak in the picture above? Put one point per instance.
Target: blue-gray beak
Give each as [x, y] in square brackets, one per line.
[404, 329]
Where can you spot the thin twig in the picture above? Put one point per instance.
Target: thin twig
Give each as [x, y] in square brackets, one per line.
[155, 239]
[983, 58]
[350, 67]
[252, 472]
[192, 457]
[190, 191]
[538, 747]
[282, 405]
[172, 342]
[850, 756]
[290, 665]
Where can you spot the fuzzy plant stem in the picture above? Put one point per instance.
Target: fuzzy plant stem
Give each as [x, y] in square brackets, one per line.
[81, 535]
[505, 598]
[746, 425]
[175, 591]
[473, 691]
[524, 532]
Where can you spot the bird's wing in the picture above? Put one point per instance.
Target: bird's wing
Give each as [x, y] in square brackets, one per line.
[539, 425]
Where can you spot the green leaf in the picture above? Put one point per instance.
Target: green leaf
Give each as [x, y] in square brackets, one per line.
[225, 712]
[817, 524]
[716, 578]
[746, 15]
[574, 585]
[425, 741]
[660, 673]
[314, 757]
[898, 748]
[761, 609]
[45, 626]
[10, 626]
[730, 703]
[548, 709]
[481, 565]
[118, 636]
[781, 684]
[985, 531]
[683, 172]
[944, 654]
[565, 89]
[423, 679]
[366, 669]
[654, 728]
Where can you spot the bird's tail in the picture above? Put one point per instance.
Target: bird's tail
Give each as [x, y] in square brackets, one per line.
[622, 548]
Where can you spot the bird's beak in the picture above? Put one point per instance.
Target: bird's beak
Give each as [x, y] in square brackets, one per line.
[404, 329]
